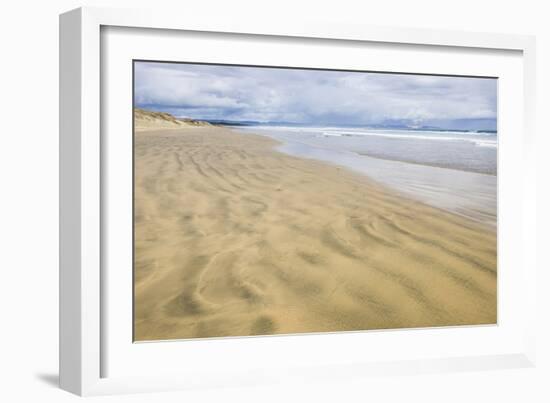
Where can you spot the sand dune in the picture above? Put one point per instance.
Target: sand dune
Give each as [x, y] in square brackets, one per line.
[233, 238]
[147, 120]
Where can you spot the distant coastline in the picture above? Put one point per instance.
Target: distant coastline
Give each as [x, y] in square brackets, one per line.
[236, 123]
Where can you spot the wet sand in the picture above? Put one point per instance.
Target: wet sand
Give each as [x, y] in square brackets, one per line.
[233, 238]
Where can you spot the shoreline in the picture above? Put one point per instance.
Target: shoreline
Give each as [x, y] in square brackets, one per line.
[457, 153]
[466, 193]
[234, 238]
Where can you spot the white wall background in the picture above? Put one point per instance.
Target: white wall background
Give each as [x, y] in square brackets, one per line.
[29, 186]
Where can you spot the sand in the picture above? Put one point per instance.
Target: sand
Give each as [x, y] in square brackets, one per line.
[233, 238]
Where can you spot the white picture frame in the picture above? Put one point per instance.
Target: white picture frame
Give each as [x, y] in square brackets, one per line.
[82, 172]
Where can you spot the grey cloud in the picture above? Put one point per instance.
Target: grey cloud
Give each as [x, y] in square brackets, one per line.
[310, 96]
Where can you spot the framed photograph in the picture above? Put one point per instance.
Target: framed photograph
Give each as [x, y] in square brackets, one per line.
[245, 203]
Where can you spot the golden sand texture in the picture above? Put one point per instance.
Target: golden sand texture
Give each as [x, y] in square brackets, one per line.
[233, 238]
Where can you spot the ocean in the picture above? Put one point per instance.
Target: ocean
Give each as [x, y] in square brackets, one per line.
[466, 151]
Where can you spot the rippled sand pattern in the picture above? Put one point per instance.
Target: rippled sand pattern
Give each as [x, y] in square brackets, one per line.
[233, 238]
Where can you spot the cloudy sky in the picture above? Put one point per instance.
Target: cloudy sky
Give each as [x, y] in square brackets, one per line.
[314, 96]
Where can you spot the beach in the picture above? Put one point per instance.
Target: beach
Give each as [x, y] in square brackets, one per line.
[235, 238]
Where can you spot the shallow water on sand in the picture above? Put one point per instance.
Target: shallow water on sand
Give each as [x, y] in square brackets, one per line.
[470, 194]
